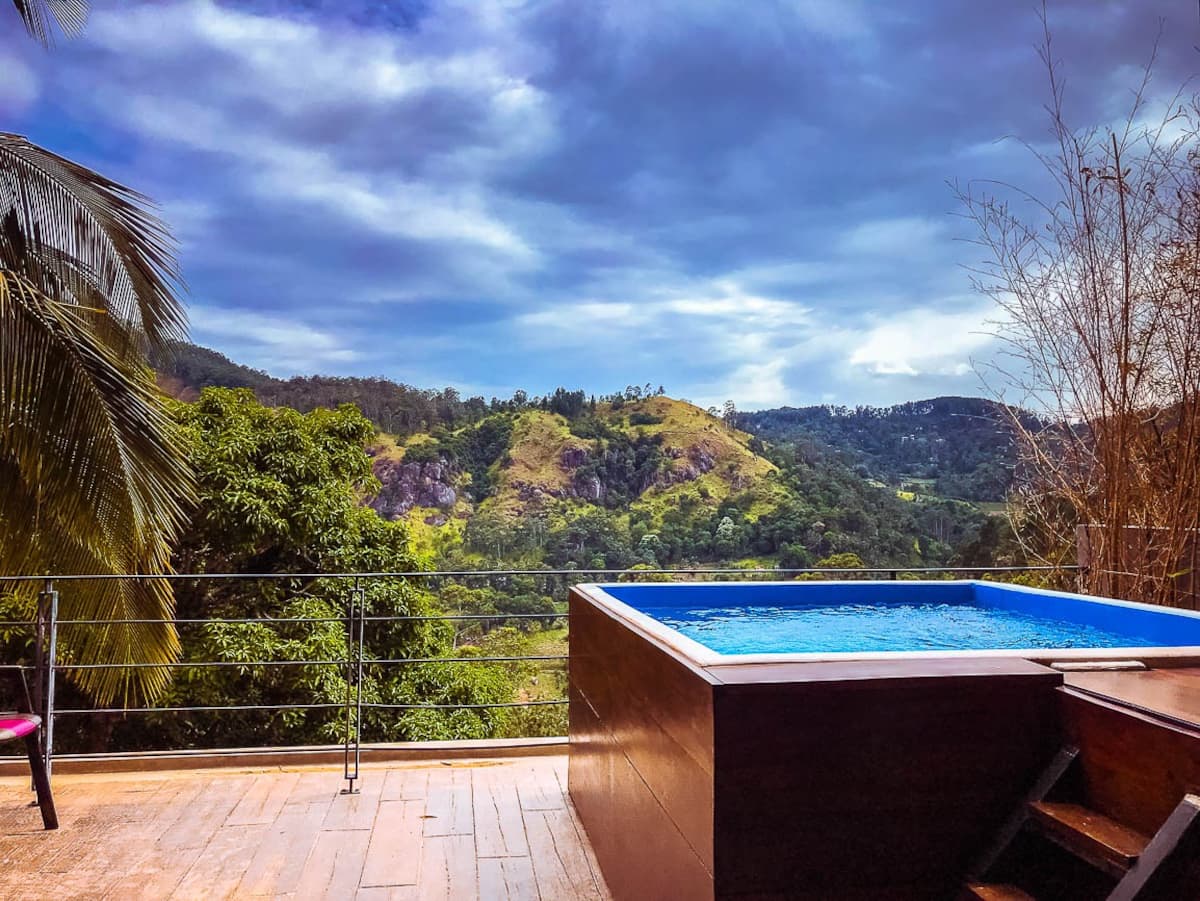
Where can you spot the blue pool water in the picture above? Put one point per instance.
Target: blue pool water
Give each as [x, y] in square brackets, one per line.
[830, 617]
[882, 627]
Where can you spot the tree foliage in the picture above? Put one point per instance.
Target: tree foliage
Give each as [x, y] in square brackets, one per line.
[93, 477]
[966, 446]
[281, 492]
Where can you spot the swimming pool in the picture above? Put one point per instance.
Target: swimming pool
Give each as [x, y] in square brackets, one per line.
[713, 622]
[819, 740]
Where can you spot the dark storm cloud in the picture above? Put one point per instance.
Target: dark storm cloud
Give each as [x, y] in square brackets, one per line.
[732, 199]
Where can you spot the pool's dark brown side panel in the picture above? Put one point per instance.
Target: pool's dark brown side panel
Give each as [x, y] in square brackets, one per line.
[641, 755]
[858, 781]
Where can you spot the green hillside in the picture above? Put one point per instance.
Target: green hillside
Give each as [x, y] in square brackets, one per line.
[654, 481]
[962, 447]
[641, 478]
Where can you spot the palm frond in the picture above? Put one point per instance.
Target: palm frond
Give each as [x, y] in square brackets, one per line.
[80, 237]
[39, 17]
[93, 478]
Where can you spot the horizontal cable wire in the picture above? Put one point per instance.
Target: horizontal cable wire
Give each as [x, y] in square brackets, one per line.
[342, 662]
[307, 619]
[226, 708]
[493, 573]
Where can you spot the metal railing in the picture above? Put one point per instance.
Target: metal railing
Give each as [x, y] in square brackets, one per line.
[355, 619]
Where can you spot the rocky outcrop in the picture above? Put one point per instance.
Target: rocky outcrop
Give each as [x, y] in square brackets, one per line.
[587, 487]
[408, 485]
[584, 486]
[696, 463]
[572, 457]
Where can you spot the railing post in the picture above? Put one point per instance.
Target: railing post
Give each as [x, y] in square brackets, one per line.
[354, 672]
[45, 662]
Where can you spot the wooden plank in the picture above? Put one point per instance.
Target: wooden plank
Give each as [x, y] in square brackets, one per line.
[507, 879]
[334, 865]
[204, 814]
[1089, 834]
[537, 787]
[137, 848]
[560, 771]
[829, 788]
[156, 874]
[1172, 692]
[496, 808]
[315, 787]
[130, 849]
[218, 869]
[448, 870]
[561, 868]
[394, 852]
[278, 860]
[387, 893]
[876, 671]
[996, 892]
[658, 708]
[264, 800]
[448, 802]
[640, 848]
[177, 839]
[411, 784]
[356, 811]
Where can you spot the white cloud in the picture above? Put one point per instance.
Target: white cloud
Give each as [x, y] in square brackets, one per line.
[524, 193]
[924, 342]
[901, 237]
[280, 346]
[272, 99]
[755, 385]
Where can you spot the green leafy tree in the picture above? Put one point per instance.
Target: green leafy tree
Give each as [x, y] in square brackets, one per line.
[281, 492]
[843, 560]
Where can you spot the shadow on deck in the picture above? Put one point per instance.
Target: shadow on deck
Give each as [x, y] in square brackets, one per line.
[486, 828]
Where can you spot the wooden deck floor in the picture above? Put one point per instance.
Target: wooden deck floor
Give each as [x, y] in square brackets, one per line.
[492, 829]
[1174, 693]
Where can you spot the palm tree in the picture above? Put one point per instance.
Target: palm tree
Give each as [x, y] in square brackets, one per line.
[93, 473]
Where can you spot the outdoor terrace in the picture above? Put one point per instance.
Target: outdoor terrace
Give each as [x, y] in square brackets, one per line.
[492, 828]
[493, 819]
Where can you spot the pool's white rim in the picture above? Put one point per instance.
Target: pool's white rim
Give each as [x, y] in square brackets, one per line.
[705, 657]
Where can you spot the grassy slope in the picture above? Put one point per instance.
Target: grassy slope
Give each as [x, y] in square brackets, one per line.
[537, 445]
[531, 475]
[687, 429]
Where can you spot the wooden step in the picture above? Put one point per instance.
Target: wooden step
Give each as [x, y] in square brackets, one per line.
[1090, 835]
[978, 891]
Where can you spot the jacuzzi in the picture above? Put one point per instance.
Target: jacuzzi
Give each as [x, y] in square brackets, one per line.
[709, 761]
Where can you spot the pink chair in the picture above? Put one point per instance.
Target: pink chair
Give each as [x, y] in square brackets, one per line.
[23, 723]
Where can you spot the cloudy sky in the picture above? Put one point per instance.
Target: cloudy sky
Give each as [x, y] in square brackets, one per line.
[742, 199]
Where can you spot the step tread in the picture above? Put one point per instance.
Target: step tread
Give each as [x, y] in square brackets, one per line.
[1089, 833]
[996, 892]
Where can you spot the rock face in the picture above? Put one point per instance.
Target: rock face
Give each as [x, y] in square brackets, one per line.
[573, 457]
[699, 461]
[587, 487]
[408, 485]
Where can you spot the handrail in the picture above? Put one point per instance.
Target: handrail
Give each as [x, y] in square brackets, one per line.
[355, 620]
[431, 574]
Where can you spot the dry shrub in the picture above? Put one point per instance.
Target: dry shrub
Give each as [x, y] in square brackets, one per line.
[1097, 286]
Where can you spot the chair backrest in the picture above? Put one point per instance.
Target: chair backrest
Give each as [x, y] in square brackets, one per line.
[14, 689]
